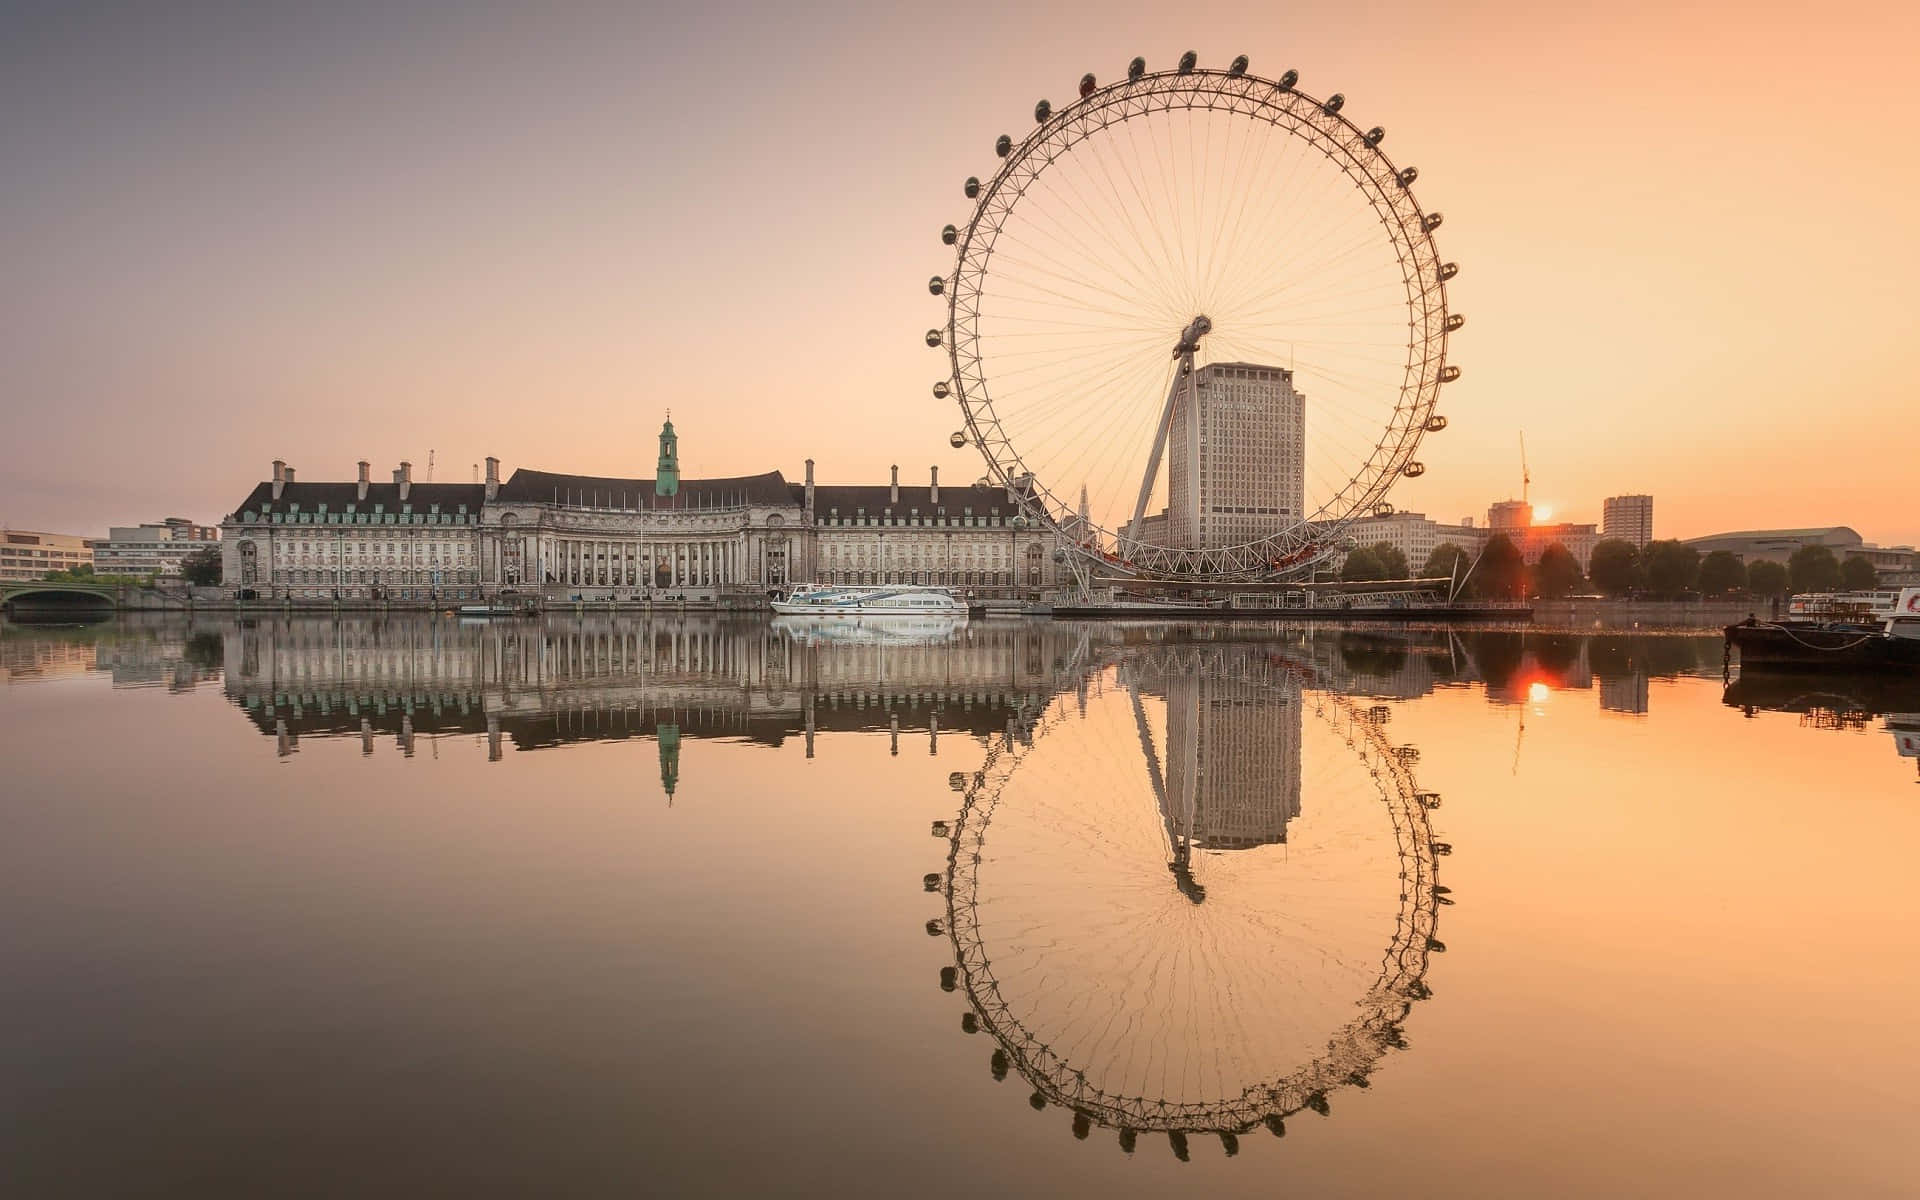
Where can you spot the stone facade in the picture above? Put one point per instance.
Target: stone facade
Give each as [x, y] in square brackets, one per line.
[592, 539]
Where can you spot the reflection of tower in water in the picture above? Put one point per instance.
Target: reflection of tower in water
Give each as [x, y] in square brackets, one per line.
[1233, 761]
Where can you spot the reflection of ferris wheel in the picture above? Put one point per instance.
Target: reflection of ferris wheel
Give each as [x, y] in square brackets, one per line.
[1228, 994]
[1205, 269]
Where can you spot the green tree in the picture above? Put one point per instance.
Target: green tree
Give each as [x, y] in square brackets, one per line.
[1672, 567]
[1362, 565]
[1814, 569]
[1722, 574]
[1614, 566]
[1447, 561]
[84, 573]
[1557, 574]
[1393, 564]
[201, 568]
[1858, 575]
[1767, 578]
[1502, 573]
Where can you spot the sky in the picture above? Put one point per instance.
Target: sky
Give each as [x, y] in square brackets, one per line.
[1687, 237]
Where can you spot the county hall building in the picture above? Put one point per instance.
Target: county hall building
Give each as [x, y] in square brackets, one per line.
[566, 538]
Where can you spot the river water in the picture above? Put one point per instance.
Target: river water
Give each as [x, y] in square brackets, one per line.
[608, 906]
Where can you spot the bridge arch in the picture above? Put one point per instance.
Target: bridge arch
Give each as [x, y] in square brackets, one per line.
[41, 598]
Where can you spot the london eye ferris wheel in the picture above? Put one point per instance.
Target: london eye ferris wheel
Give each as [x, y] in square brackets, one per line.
[1197, 322]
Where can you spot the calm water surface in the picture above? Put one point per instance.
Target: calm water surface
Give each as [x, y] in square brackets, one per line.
[607, 906]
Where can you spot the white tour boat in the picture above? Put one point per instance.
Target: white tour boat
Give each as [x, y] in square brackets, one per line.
[816, 600]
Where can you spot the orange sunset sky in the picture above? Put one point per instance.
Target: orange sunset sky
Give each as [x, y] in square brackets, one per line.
[228, 233]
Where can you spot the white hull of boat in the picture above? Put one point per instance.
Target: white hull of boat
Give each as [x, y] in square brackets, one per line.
[870, 602]
[871, 610]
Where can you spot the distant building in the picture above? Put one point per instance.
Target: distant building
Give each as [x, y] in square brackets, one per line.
[1578, 539]
[1236, 456]
[1505, 516]
[1514, 520]
[28, 555]
[1415, 535]
[151, 549]
[1778, 545]
[1629, 518]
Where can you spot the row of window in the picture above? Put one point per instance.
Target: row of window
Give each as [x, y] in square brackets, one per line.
[377, 515]
[346, 593]
[932, 578]
[461, 576]
[913, 519]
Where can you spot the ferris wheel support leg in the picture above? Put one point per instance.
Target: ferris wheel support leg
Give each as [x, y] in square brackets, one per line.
[1160, 443]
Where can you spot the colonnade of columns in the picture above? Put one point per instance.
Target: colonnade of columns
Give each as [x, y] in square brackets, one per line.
[679, 562]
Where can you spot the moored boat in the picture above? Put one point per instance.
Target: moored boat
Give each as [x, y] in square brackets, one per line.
[818, 600]
[1890, 644]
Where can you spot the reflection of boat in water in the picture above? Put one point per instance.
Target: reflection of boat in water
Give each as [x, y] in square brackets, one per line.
[1846, 701]
[922, 630]
[811, 599]
[1891, 644]
[1864, 694]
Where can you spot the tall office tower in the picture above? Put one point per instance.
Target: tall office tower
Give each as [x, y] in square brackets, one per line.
[1236, 456]
[1629, 518]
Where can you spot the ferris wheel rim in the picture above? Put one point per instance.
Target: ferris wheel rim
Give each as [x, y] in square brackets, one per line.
[1383, 1005]
[1357, 154]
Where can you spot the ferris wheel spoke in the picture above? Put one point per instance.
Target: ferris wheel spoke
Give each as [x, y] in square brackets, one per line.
[1127, 267]
[1098, 218]
[1162, 260]
[1296, 280]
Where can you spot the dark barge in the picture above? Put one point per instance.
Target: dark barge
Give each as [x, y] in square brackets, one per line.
[1892, 644]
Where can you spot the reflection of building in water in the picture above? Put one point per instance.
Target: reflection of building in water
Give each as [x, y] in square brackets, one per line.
[1233, 760]
[1227, 772]
[537, 684]
[1624, 693]
[136, 650]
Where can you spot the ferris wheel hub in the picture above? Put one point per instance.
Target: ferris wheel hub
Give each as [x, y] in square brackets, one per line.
[1191, 335]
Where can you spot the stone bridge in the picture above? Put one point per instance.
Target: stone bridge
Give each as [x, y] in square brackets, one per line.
[47, 597]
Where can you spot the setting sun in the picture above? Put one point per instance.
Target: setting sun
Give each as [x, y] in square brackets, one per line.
[1538, 692]
[1542, 513]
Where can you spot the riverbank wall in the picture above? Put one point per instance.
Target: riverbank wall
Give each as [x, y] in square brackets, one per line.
[1584, 615]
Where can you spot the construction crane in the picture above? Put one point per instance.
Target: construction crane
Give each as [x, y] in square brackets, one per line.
[1526, 480]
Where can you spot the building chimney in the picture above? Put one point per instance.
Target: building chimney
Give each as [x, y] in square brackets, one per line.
[366, 480]
[936, 485]
[279, 477]
[893, 493]
[404, 477]
[289, 474]
[493, 477]
[809, 491]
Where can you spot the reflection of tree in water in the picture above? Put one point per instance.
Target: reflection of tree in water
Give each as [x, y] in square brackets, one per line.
[205, 650]
[1498, 654]
[1251, 988]
[1365, 655]
[1555, 652]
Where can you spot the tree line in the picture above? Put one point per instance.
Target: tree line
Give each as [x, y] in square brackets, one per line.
[1663, 570]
